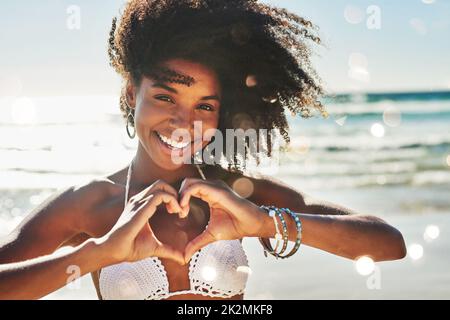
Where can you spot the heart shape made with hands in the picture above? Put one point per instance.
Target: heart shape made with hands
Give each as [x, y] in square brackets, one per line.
[230, 216]
[226, 208]
[177, 229]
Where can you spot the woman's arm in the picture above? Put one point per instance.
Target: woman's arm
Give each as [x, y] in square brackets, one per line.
[349, 236]
[130, 239]
[49, 226]
[232, 216]
[328, 226]
[35, 278]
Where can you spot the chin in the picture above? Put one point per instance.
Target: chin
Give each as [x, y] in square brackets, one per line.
[168, 165]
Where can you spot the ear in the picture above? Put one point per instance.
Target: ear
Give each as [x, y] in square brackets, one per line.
[130, 94]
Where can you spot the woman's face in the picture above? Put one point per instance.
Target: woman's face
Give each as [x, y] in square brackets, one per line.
[163, 111]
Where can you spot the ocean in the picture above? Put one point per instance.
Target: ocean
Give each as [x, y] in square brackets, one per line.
[389, 149]
[385, 154]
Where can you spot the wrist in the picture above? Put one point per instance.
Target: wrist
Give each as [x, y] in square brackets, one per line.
[267, 227]
[97, 250]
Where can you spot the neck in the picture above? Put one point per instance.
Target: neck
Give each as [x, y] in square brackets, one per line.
[146, 171]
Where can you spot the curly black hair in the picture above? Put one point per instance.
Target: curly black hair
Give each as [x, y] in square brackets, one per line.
[260, 53]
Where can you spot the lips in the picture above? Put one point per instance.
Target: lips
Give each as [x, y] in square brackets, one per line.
[170, 151]
[172, 144]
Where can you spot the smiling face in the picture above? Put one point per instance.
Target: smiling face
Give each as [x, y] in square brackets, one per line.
[163, 110]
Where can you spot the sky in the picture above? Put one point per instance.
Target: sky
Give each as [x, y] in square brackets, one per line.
[370, 46]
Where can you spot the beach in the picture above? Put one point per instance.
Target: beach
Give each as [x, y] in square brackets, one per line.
[388, 158]
[314, 274]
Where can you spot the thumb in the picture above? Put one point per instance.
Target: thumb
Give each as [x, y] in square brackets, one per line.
[197, 243]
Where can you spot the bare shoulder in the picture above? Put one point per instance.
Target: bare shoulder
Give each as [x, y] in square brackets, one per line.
[61, 217]
[268, 190]
[273, 191]
[68, 206]
[258, 188]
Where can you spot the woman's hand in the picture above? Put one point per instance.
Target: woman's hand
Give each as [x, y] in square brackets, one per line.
[231, 216]
[131, 238]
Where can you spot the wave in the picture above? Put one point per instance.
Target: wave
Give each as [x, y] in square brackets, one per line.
[419, 179]
[363, 141]
[425, 96]
[428, 146]
[409, 108]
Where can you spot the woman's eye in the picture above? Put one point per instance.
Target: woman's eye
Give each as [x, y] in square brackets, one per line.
[164, 98]
[206, 107]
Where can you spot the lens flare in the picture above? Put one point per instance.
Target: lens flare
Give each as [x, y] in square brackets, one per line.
[251, 81]
[377, 130]
[431, 233]
[341, 121]
[364, 265]
[209, 273]
[353, 14]
[392, 117]
[244, 187]
[415, 251]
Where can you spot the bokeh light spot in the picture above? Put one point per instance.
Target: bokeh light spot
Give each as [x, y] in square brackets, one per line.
[431, 233]
[377, 130]
[251, 81]
[415, 251]
[392, 117]
[209, 273]
[353, 14]
[244, 187]
[365, 265]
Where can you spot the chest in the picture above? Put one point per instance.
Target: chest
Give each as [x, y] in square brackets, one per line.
[168, 228]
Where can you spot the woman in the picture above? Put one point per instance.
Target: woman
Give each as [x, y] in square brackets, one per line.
[185, 62]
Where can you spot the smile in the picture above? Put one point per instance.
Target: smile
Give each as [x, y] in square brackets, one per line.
[172, 144]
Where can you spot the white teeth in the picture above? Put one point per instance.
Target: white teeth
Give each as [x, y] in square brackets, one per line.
[172, 143]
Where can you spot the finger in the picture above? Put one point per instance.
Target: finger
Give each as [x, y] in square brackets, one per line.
[188, 182]
[166, 251]
[204, 191]
[148, 208]
[197, 243]
[185, 212]
[184, 185]
[172, 206]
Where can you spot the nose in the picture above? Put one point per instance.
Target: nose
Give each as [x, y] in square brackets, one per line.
[182, 119]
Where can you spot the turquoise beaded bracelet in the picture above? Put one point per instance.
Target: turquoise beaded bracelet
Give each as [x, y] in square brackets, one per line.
[267, 246]
[266, 242]
[298, 225]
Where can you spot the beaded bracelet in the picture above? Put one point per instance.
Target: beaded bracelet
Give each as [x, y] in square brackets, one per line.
[298, 225]
[267, 246]
[266, 242]
[278, 236]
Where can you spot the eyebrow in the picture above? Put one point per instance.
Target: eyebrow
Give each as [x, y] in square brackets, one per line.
[166, 87]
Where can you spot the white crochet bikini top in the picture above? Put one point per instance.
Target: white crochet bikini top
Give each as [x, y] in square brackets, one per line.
[219, 269]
